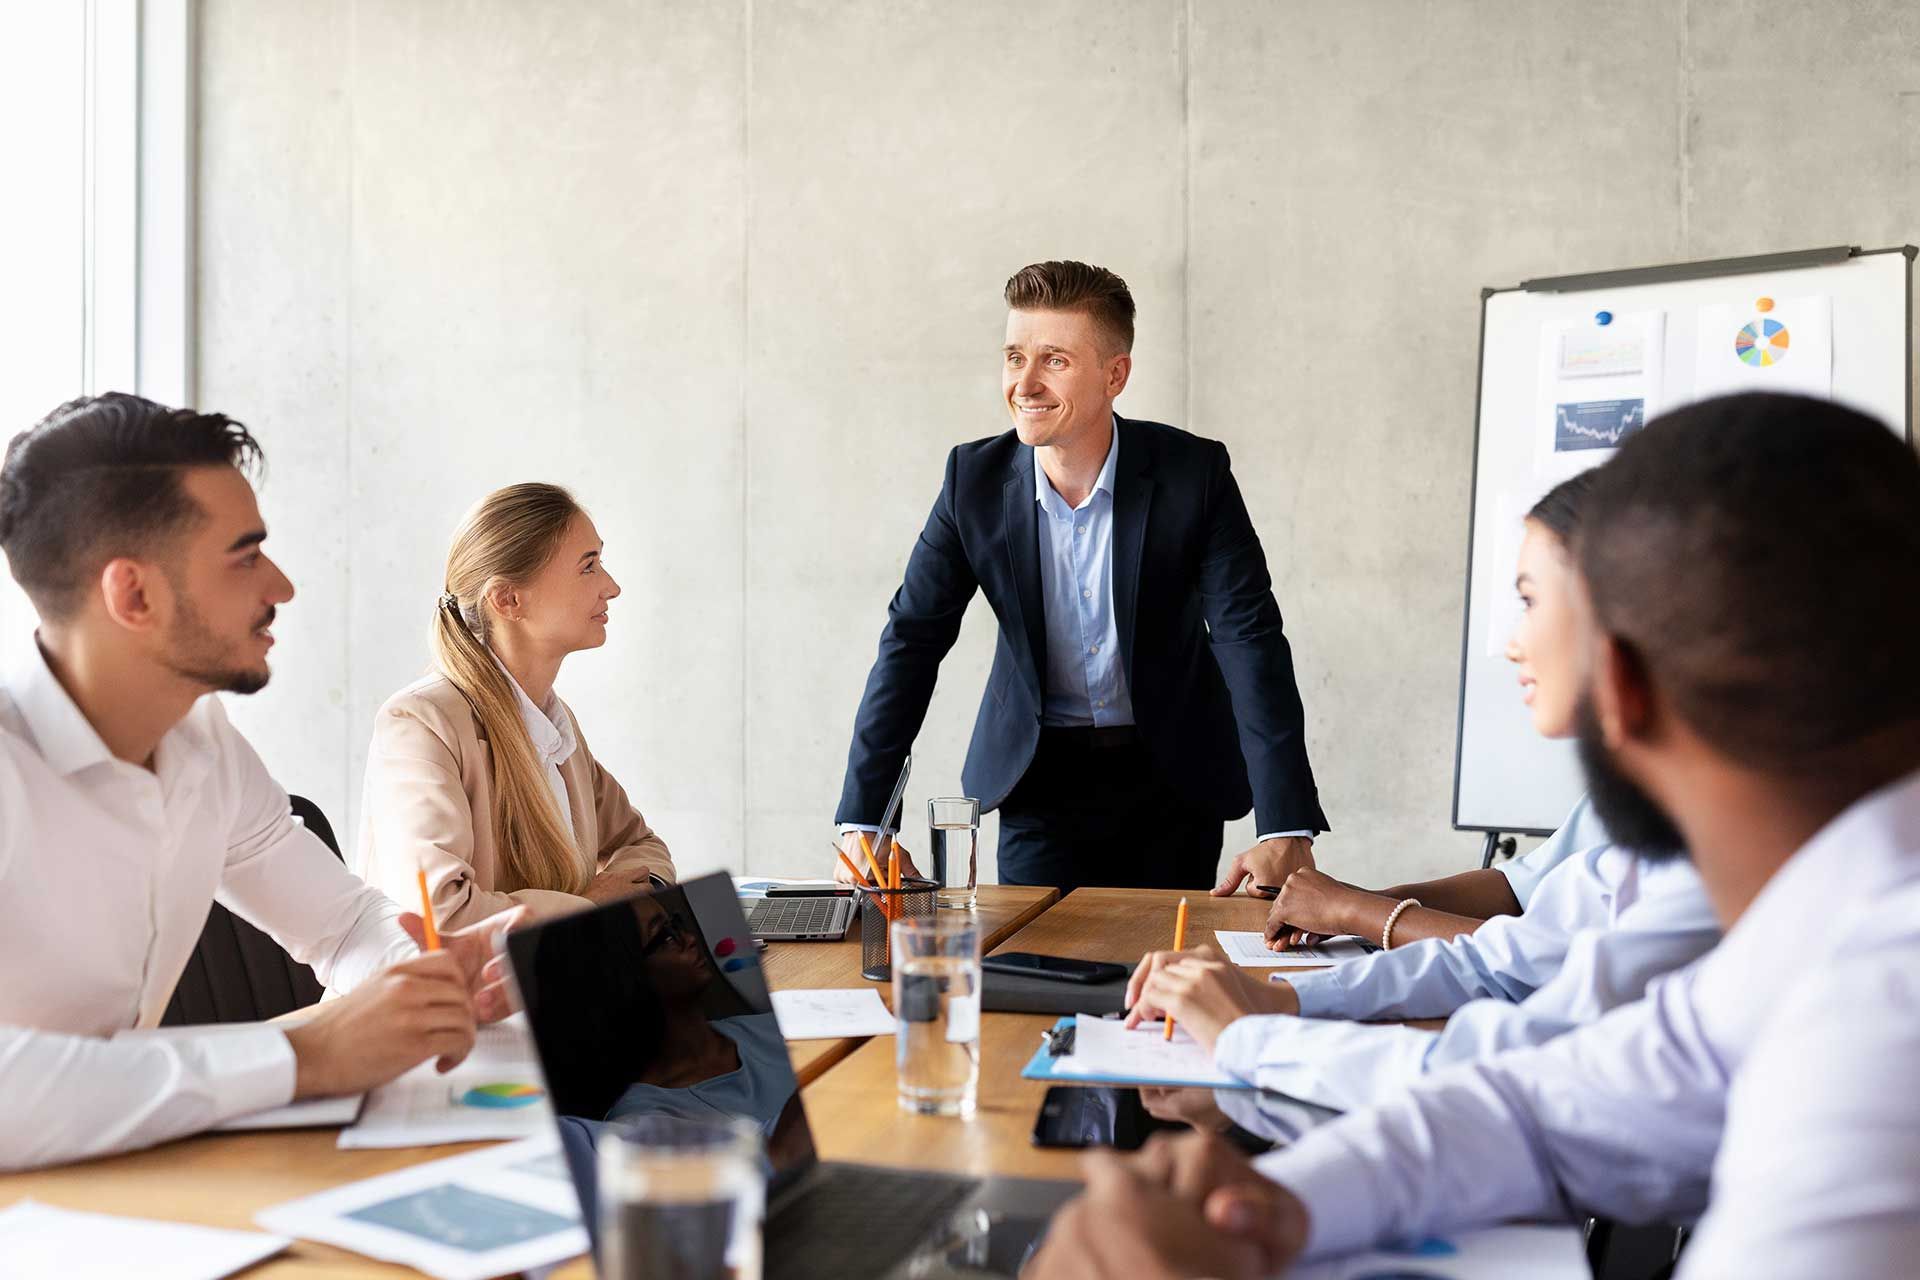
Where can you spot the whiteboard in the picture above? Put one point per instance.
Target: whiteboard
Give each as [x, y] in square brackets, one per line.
[1506, 777]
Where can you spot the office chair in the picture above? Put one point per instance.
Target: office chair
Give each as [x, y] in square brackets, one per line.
[239, 974]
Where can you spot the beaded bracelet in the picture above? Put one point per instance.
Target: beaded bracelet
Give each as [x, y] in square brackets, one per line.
[1386, 934]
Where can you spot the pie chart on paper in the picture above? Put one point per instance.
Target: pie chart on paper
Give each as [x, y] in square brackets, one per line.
[505, 1096]
[1762, 343]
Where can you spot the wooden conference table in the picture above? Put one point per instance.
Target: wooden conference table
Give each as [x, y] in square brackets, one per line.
[222, 1180]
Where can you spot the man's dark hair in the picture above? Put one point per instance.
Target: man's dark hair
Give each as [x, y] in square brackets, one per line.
[1075, 286]
[98, 478]
[1561, 507]
[1759, 556]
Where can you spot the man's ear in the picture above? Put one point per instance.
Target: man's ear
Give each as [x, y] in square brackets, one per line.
[1622, 693]
[1119, 369]
[136, 595]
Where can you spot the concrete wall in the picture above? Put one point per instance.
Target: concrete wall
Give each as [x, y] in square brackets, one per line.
[731, 270]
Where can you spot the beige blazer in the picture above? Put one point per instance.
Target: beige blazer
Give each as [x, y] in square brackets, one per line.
[428, 803]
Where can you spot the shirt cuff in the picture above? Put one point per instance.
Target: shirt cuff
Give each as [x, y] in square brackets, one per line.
[249, 1067]
[858, 826]
[1237, 1051]
[1334, 1183]
[1284, 835]
[1320, 992]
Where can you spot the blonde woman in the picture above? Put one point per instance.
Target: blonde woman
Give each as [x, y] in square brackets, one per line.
[479, 773]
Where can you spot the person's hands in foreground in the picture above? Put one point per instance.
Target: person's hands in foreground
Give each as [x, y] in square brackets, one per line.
[1268, 863]
[1173, 1212]
[480, 952]
[1204, 994]
[417, 1009]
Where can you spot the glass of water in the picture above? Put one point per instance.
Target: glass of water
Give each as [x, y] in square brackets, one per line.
[936, 1013]
[680, 1198]
[953, 830]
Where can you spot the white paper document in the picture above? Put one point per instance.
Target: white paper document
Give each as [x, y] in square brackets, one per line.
[496, 1093]
[40, 1242]
[829, 1014]
[1601, 377]
[1249, 950]
[1495, 1253]
[1103, 1049]
[486, 1213]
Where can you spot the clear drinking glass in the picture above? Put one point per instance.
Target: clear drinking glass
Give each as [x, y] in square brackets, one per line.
[936, 1013]
[953, 832]
[681, 1199]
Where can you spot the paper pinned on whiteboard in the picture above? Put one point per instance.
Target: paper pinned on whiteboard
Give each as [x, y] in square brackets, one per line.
[1765, 344]
[1599, 383]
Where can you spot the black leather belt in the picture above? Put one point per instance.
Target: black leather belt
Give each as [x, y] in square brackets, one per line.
[1090, 737]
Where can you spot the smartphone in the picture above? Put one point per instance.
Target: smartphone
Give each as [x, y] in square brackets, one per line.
[1059, 968]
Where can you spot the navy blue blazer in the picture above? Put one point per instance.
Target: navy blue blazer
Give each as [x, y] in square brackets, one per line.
[1208, 668]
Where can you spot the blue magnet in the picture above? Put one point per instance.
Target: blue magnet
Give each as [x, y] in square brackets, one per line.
[1603, 317]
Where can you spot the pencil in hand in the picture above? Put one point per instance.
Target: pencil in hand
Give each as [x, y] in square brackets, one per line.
[426, 913]
[1179, 943]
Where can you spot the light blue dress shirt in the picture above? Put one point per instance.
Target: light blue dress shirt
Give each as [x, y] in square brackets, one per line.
[1085, 683]
[1596, 931]
[1772, 1075]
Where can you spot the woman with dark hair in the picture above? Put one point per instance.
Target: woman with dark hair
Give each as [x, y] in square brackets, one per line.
[1595, 923]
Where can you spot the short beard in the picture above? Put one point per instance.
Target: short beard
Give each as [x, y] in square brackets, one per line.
[197, 655]
[1630, 815]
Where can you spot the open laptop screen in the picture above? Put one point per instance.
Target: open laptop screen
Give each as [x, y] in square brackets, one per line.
[657, 1005]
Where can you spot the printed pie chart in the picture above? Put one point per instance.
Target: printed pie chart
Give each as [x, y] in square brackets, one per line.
[504, 1096]
[1762, 343]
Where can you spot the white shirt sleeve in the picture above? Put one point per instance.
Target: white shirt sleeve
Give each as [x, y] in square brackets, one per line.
[1818, 1171]
[283, 880]
[71, 1097]
[1530, 1134]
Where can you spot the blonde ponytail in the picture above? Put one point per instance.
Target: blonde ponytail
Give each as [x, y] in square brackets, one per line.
[507, 538]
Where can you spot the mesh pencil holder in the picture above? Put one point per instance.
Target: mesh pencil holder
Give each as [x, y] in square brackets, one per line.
[915, 899]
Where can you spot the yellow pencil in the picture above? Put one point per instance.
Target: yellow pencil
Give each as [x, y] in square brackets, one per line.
[879, 880]
[1179, 941]
[426, 913]
[851, 869]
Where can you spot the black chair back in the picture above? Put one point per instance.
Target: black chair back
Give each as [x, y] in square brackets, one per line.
[239, 974]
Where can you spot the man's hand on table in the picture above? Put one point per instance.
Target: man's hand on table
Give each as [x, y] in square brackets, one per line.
[1186, 1207]
[1268, 863]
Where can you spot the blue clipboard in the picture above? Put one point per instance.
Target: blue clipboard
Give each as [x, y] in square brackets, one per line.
[1041, 1067]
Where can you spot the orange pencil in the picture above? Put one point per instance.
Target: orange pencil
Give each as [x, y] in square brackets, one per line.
[879, 881]
[426, 913]
[1179, 941]
[851, 869]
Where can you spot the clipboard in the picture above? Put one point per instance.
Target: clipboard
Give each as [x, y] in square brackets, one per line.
[1045, 1058]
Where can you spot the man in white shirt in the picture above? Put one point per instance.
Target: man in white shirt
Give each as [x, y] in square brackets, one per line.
[128, 804]
[1751, 700]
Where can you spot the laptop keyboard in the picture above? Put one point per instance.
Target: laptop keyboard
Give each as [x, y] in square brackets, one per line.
[848, 1220]
[792, 915]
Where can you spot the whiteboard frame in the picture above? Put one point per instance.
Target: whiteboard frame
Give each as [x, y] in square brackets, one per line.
[1632, 276]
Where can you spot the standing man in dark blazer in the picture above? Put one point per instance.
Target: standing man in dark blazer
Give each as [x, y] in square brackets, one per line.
[1142, 691]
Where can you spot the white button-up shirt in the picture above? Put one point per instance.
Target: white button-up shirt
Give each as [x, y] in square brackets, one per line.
[550, 729]
[1772, 1078]
[106, 872]
[1597, 929]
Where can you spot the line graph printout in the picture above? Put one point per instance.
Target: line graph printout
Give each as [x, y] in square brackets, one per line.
[1601, 378]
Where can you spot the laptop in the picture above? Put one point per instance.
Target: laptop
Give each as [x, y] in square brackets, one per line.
[602, 987]
[809, 917]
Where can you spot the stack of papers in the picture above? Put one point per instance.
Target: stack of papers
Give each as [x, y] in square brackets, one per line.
[1497, 1253]
[497, 1092]
[1105, 1051]
[1249, 950]
[39, 1240]
[487, 1213]
[829, 1013]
